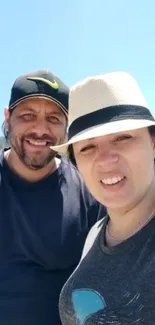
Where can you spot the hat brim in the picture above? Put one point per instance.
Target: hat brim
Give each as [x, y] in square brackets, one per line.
[104, 129]
[52, 99]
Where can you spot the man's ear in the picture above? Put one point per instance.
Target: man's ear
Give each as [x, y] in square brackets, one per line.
[6, 115]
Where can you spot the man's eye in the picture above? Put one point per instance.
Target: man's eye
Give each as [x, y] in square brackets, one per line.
[87, 148]
[28, 116]
[53, 119]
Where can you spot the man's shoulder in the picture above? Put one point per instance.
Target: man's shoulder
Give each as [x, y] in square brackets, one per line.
[1, 158]
[1, 154]
[71, 173]
[79, 190]
[69, 167]
[75, 180]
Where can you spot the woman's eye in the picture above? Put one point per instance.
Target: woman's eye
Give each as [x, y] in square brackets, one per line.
[122, 138]
[87, 148]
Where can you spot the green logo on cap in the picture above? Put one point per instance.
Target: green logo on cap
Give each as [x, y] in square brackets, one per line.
[54, 84]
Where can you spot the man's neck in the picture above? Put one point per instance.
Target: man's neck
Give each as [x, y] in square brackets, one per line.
[27, 174]
[124, 223]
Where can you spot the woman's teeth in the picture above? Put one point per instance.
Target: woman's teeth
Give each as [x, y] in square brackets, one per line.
[111, 181]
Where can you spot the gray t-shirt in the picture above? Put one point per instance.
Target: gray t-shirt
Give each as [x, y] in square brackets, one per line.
[113, 286]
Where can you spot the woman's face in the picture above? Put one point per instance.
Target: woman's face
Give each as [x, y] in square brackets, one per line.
[118, 169]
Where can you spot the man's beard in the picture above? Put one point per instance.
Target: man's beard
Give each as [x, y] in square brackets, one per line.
[33, 162]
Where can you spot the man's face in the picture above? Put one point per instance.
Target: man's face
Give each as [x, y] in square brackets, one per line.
[33, 127]
[118, 169]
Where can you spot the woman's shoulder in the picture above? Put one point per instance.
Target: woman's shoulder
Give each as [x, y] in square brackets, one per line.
[92, 235]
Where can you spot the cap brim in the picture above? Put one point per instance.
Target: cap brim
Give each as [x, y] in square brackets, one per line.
[102, 130]
[52, 99]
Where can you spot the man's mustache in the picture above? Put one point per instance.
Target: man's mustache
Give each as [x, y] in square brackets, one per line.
[44, 137]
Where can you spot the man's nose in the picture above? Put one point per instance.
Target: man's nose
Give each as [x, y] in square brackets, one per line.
[40, 127]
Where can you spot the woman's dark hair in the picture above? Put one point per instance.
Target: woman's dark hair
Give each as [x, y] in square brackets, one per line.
[70, 153]
[151, 130]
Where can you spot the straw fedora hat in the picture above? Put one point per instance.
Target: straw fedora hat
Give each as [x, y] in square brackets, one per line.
[103, 105]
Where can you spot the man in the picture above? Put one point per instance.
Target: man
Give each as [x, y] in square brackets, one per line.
[45, 209]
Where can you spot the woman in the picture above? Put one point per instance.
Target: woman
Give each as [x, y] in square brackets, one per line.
[111, 134]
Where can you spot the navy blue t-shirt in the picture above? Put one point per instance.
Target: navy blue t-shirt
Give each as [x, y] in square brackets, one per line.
[43, 227]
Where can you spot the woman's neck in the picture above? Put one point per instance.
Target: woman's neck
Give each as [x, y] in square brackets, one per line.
[124, 223]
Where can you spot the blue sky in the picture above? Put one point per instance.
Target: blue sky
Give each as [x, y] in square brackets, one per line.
[77, 38]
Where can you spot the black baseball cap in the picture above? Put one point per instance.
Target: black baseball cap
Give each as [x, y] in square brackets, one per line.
[39, 84]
